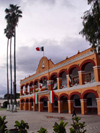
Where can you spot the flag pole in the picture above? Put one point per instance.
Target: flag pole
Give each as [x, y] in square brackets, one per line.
[43, 51]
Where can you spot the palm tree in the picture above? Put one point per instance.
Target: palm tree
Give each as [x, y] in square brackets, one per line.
[12, 17]
[9, 34]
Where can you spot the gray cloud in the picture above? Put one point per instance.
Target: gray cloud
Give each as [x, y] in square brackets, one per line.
[67, 4]
[49, 2]
[53, 24]
[7, 2]
[28, 58]
[3, 90]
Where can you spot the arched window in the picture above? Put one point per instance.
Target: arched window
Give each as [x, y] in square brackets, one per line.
[42, 64]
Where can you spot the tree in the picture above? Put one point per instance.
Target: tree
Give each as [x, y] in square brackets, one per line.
[7, 67]
[60, 128]
[77, 126]
[12, 16]
[9, 33]
[91, 23]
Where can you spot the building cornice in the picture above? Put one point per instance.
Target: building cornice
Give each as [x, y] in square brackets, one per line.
[59, 66]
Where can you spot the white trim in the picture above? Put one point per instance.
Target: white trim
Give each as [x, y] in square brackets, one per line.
[79, 87]
[27, 96]
[81, 72]
[83, 100]
[59, 78]
[98, 98]
[96, 67]
[70, 101]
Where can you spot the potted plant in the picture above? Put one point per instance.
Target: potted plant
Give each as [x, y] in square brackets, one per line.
[77, 126]
[42, 130]
[60, 128]
[21, 126]
[3, 127]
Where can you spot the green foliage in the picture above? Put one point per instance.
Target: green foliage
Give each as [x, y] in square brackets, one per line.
[3, 127]
[42, 130]
[77, 127]
[9, 95]
[60, 128]
[21, 126]
[91, 24]
[17, 95]
[5, 104]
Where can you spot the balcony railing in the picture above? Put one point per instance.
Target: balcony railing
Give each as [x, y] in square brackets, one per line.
[74, 81]
[88, 78]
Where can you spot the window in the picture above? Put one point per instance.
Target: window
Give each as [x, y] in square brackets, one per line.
[89, 101]
[42, 64]
[77, 102]
[87, 76]
[55, 102]
[45, 102]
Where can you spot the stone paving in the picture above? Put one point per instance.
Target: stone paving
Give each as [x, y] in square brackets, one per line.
[47, 120]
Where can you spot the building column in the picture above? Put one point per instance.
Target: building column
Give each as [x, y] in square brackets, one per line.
[40, 104]
[97, 73]
[30, 106]
[59, 83]
[38, 84]
[60, 106]
[21, 106]
[70, 106]
[81, 77]
[21, 91]
[83, 106]
[98, 105]
[50, 84]
[25, 106]
[68, 83]
[29, 89]
[33, 89]
[34, 106]
[50, 107]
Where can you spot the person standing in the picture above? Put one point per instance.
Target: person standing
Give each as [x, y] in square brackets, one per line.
[74, 112]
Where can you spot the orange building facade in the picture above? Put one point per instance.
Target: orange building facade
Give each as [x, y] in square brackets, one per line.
[75, 82]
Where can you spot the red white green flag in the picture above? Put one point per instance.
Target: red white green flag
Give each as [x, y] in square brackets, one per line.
[40, 48]
[51, 96]
[36, 98]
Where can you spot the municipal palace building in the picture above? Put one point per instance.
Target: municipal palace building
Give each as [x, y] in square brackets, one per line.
[73, 82]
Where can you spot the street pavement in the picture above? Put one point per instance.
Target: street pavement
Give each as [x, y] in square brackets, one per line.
[47, 120]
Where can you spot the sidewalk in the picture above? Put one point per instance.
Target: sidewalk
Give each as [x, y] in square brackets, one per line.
[47, 120]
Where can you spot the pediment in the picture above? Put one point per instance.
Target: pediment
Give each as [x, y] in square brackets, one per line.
[44, 64]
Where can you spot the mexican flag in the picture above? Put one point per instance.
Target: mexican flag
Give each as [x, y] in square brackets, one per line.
[51, 96]
[40, 48]
[36, 98]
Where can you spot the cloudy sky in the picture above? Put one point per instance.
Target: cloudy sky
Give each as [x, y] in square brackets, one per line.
[54, 24]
